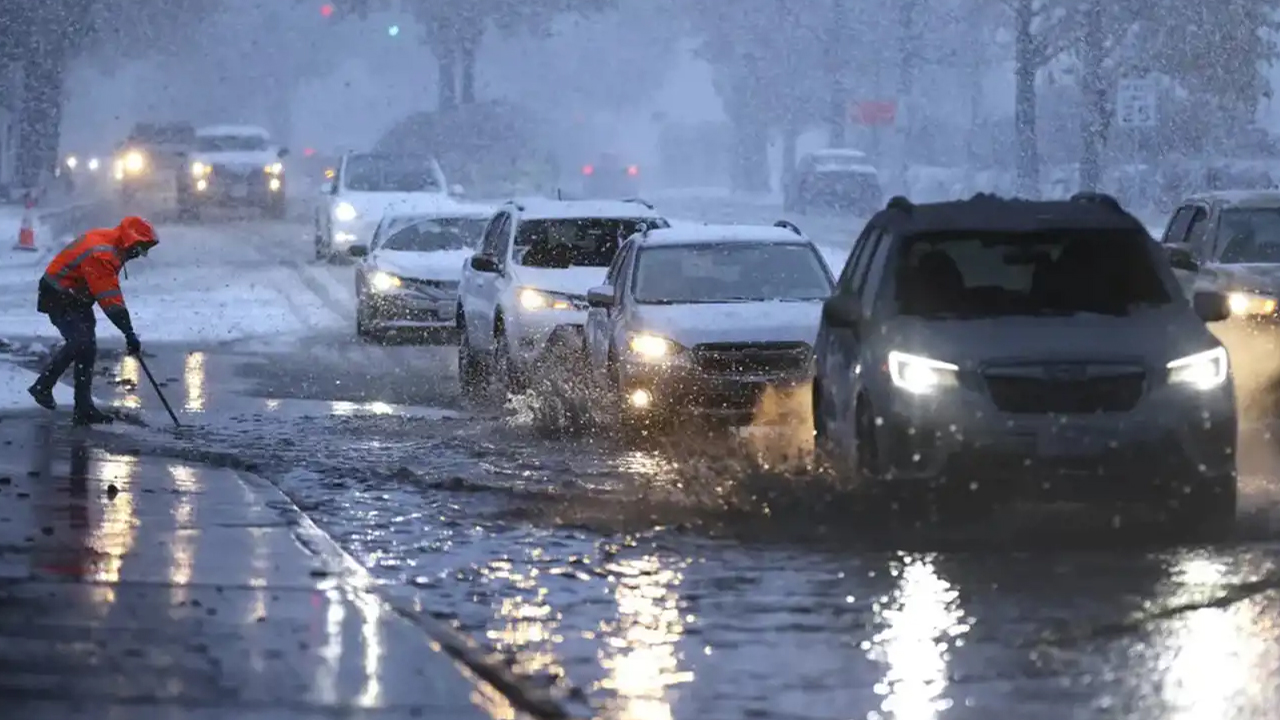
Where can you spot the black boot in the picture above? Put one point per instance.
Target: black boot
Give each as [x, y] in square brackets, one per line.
[91, 415]
[43, 396]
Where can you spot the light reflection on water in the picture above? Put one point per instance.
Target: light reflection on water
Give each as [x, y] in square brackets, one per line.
[129, 374]
[114, 533]
[193, 379]
[640, 656]
[530, 630]
[920, 622]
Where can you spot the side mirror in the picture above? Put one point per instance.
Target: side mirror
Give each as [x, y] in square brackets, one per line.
[1181, 258]
[1211, 306]
[326, 188]
[842, 311]
[457, 190]
[484, 263]
[358, 251]
[600, 297]
[283, 153]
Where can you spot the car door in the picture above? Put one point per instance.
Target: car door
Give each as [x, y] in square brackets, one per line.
[504, 283]
[840, 348]
[599, 328]
[1177, 233]
[477, 290]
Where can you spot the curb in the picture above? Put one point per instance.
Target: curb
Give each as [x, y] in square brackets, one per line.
[469, 654]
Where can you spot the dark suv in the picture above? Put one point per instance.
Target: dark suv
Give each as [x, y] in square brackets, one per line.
[991, 349]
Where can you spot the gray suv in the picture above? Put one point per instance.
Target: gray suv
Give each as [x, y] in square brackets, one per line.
[992, 349]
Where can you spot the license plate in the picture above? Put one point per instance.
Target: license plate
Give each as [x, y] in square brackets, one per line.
[239, 191]
[445, 312]
[1067, 442]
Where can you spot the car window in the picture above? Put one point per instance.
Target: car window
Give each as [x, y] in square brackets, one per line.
[390, 173]
[1198, 233]
[1249, 235]
[489, 246]
[864, 262]
[573, 242]
[615, 267]
[625, 254]
[230, 143]
[875, 272]
[503, 240]
[434, 235]
[845, 281]
[1176, 232]
[729, 272]
[1005, 274]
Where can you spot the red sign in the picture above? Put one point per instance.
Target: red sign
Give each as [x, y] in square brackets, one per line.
[874, 113]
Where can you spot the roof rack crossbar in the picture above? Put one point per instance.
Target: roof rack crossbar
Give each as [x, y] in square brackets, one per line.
[640, 201]
[788, 225]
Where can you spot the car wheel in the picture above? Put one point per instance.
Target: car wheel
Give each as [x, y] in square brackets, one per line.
[365, 328]
[1208, 510]
[867, 453]
[503, 364]
[321, 253]
[473, 371]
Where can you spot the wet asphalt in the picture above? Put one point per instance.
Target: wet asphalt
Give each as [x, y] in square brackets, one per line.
[707, 576]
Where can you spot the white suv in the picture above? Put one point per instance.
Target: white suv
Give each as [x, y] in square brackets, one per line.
[525, 292]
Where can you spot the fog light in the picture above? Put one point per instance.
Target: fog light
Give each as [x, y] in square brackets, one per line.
[274, 184]
[641, 399]
[202, 185]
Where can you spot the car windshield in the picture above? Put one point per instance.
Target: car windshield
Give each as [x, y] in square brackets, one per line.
[162, 134]
[1250, 236]
[230, 143]
[1058, 273]
[437, 234]
[388, 173]
[730, 272]
[572, 242]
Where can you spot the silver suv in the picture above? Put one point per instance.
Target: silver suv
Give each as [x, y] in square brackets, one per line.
[992, 349]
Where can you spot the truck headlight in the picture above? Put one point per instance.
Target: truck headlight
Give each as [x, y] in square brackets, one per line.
[1202, 371]
[921, 375]
[134, 162]
[531, 299]
[1244, 304]
[344, 212]
[652, 348]
[273, 169]
[382, 282]
[199, 170]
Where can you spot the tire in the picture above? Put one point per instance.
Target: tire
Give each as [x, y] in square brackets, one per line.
[503, 366]
[473, 371]
[323, 251]
[1208, 511]
[867, 457]
[364, 329]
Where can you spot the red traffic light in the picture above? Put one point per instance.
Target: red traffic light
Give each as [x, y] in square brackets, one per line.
[633, 170]
[326, 10]
[588, 170]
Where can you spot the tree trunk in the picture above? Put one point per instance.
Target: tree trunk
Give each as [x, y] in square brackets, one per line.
[468, 52]
[447, 61]
[790, 136]
[1093, 97]
[40, 116]
[838, 101]
[908, 54]
[1026, 65]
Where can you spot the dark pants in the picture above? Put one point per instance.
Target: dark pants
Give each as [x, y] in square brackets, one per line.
[79, 329]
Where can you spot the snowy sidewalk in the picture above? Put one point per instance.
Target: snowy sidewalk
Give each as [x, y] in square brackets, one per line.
[152, 588]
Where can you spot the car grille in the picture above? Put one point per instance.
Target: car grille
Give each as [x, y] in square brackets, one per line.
[766, 358]
[228, 173]
[1116, 391]
[432, 288]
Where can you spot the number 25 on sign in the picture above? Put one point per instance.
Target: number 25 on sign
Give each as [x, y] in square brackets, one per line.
[1136, 103]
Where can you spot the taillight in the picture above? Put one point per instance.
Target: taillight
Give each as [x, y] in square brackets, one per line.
[588, 170]
[633, 170]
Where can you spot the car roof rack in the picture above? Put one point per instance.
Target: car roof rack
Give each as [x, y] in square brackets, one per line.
[516, 204]
[788, 225]
[900, 202]
[640, 201]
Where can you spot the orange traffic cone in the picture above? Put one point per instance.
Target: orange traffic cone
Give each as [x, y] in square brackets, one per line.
[27, 232]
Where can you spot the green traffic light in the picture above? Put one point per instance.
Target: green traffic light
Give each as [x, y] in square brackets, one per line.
[394, 30]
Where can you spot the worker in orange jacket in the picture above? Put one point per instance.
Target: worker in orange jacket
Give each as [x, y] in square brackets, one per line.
[87, 272]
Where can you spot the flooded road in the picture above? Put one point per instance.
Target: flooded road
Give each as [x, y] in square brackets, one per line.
[703, 581]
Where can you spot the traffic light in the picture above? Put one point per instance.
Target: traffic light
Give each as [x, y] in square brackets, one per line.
[394, 30]
[326, 10]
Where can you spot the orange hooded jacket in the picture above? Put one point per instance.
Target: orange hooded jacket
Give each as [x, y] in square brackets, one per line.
[88, 269]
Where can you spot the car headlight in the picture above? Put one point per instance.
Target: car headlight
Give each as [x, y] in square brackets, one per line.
[135, 162]
[531, 299]
[1202, 371]
[199, 170]
[652, 348]
[72, 162]
[344, 212]
[93, 164]
[273, 168]
[921, 375]
[1244, 304]
[382, 282]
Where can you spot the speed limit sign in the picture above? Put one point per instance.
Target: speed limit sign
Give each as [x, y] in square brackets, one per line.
[1136, 103]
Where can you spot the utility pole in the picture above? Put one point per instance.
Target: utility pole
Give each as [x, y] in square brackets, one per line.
[838, 108]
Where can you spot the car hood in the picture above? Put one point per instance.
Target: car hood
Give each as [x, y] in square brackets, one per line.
[439, 265]
[239, 158]
[1259, 277]
[1151, 337]
[568, 281]
[373, 205]
[692, 324]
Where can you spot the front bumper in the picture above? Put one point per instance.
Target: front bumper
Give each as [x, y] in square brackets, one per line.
[654, 388]
[407, 309]
[1171, 435]
[236, 189]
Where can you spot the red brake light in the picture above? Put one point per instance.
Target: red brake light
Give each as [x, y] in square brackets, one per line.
[309, 152]
[633, 170]
[588, 170]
